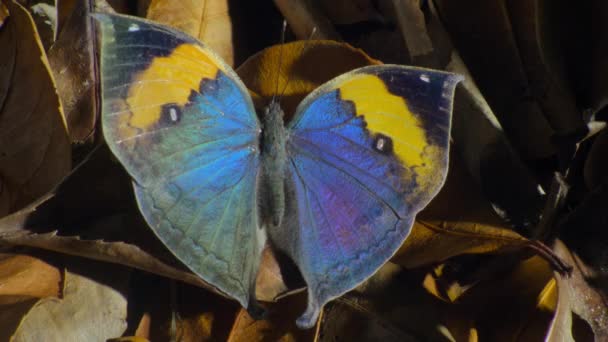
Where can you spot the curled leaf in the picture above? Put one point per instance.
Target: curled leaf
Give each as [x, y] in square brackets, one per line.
[34, 146]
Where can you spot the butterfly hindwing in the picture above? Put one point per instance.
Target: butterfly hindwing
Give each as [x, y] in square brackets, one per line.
[183, 125]
[366, 152]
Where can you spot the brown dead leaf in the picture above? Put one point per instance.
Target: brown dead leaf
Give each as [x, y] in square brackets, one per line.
[64, 10]
[23, 280]
[269, 283]
[305, 16]
[203, 315]
[478, 137]
[3, 13]
[577, 296]
[24, 275]
[342, 12]
[179, 312]
[207, 20]
[458, 221]
[493, 57]
[536, 28]
[511, 305]
[92, 307]
[596, 165]
[390, 306]
[412, 24]
[583, 244]
[12, 310]
[305, 65]
[34, 147]
[45, 18]
[72, 60]
[598, 85]
[278, 326]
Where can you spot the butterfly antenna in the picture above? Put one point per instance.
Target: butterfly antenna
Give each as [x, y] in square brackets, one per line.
[306, 44]
[276, 91]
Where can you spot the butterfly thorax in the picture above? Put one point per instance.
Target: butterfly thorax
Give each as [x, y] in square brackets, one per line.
[274, 157]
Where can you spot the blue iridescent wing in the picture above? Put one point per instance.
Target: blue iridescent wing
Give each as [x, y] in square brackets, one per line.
[366, 152]
[184, 127]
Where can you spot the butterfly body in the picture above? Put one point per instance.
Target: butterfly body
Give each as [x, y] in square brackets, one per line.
[274, 157]
[336, 188]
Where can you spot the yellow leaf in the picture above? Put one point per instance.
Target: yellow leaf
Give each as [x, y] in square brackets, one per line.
[207, 20]
[295, 69]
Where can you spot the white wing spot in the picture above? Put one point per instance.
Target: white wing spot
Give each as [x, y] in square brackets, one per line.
[380, 144]
[425, 78]
[133, 28]
[173, 114]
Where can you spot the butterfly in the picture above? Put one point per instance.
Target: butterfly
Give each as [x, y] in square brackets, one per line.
[336, 188]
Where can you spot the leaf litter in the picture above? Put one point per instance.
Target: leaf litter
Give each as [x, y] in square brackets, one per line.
[507, 250]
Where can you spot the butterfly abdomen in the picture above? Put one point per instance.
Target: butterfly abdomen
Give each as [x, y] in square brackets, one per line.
[274, 157]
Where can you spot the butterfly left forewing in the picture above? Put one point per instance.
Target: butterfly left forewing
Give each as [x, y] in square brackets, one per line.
[183, 126]
[366, 152]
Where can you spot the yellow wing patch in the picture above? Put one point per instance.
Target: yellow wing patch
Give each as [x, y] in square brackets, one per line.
[387, 114]
[168, 79]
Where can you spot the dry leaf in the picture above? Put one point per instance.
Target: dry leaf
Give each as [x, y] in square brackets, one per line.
[390, 306]
[24, 275]
[493, 58]
[23, 280]
[596, 164]
[12, 310]
[504, 307]
[179, 312]
[72, 59]
[413, 27]
[582, 244]
[45, 18]
[278, 326]
[207, 20]
[89, 310]
[304, 16]
[34, 147]
[304, 65]
[536, 28]
[343, 12]
[3, 13]
[457, 221]
[576, 296]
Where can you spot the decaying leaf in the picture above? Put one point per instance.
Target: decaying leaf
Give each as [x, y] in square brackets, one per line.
[179, 312]
[508, 305]
[34, 147]
[90, 309]
[390, 306]
[578, 297]
[304, 17]
[493, 53]
[454, 224]
[344, 12]
[45, 18]
[296, 69]
[23, 281]
[279, 325]
[24, 275]
[467, 272]
[596, 165]
[3, 13]
[207, 20]
[72, 59]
